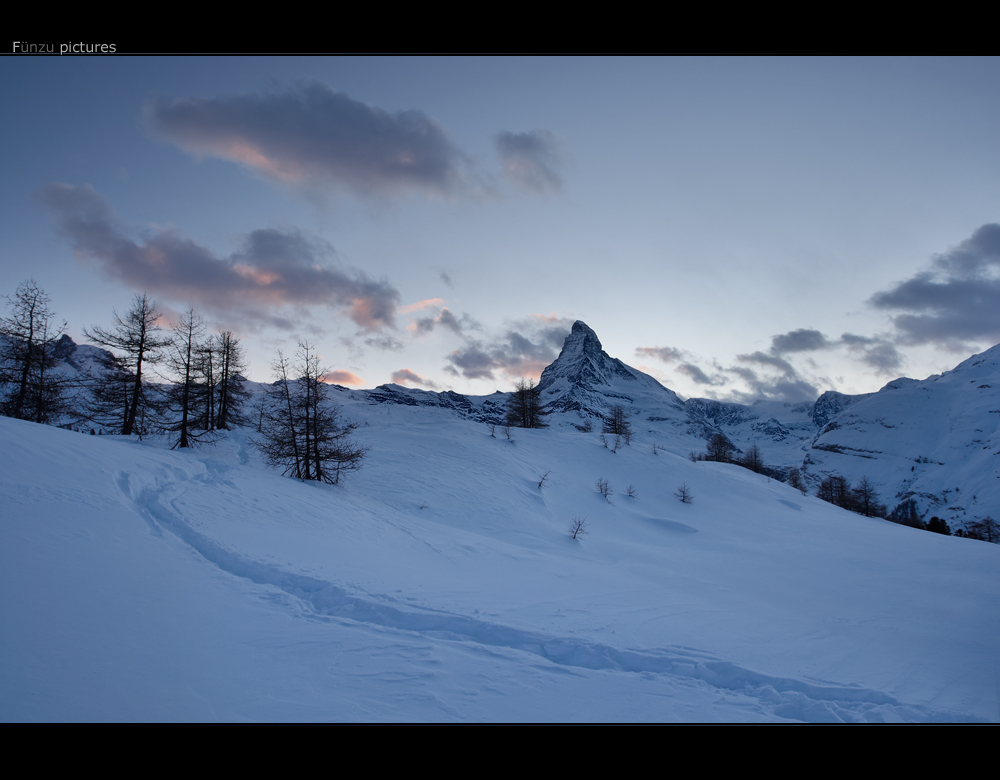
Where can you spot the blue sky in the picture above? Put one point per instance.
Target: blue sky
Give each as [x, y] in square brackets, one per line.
[739, 228]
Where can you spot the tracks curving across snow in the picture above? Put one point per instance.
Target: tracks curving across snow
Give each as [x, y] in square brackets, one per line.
[783, 697]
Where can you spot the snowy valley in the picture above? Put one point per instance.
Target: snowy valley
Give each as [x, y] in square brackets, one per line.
[441, 583]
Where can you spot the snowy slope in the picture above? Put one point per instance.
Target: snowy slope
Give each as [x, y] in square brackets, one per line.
[440, 583]
[936, 441]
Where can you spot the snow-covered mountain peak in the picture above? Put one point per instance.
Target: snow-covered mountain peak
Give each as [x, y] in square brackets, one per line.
[586, 379]
[582, 359]
[583, 362]
[581, 340]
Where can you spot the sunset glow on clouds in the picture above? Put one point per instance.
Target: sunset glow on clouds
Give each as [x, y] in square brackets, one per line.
[407, 377]
[316, 135]
[272, 269]
[343, 378]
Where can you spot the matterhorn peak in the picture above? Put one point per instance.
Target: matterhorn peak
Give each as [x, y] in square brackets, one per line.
[580, 345]
[582, 360]
[585, 378]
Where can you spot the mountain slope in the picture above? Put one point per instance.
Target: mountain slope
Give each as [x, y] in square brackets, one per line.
[935, 441]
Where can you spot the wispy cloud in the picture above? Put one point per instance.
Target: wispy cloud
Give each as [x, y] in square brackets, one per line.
[698, 376]
[270, 270]
[532, 161]
[665, 354]
[427, 303]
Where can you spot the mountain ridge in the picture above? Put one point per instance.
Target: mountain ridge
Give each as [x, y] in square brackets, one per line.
[891, 436]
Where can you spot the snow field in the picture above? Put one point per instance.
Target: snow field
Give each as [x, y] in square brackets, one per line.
[440, 583]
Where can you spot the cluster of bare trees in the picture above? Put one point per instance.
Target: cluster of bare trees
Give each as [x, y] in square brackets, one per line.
[205, 390]
[29, 388]
[984, 529]
[182, 381]
[721, 450]
[301, 432]
[861, 498]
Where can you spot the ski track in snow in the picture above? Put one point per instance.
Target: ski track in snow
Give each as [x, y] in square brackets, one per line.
[785, 698]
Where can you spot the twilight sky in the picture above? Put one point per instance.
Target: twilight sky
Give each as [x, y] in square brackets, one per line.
[738, 228]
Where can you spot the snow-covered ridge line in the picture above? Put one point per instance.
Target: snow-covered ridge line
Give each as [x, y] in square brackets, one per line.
[885, 436]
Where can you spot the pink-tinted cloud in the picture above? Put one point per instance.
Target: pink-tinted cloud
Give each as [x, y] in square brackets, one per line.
[272, 268]
[315, 136]
[406, 376]
[343, 378]
[428, 303]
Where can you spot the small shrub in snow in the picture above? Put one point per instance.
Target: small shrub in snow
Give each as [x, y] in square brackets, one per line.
[578, 527]
[604, 488]
[630, 492]
[683, 494]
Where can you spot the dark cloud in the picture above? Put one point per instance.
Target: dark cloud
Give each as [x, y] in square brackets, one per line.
[447, 279]
[977, 255]
[524, 351]
[531, 160]
[801, 340]
[406, 376]
[446, 319]
[957, 301]
[695, 374]
[272, 269]
[879, 353]
[666, 354]
[788, 386]
[767, 359]
[314, 136]
[387, 343]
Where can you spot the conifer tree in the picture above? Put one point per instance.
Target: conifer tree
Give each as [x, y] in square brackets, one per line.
[524, 406]
[302, 432]
[136, 335]
[618, 423]
[232, 392]
[183, 359]
[29, 389]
